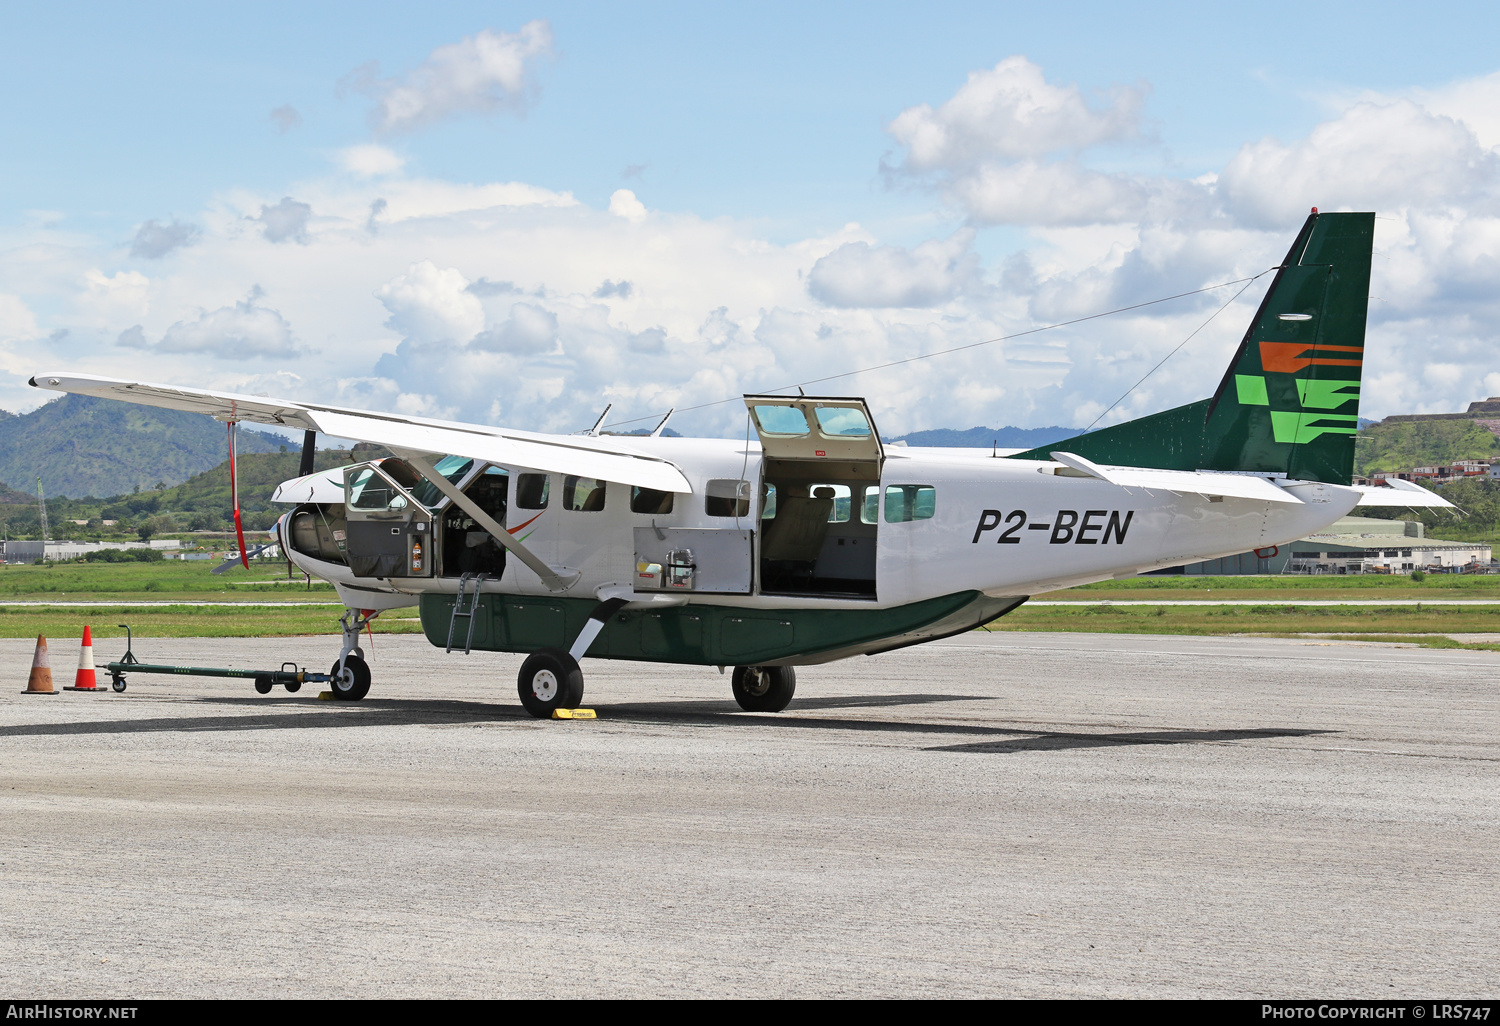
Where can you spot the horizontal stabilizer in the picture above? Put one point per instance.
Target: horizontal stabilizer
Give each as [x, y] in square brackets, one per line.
[1396, 492]
[1200, 482]
[600, 458]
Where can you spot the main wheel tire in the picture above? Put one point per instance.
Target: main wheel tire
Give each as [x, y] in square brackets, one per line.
[550, 679]
[764, 688]
[353, 683]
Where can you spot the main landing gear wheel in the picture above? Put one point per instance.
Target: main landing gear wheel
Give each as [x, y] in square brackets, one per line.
[354, 682]
[764, 688]
[550, 679]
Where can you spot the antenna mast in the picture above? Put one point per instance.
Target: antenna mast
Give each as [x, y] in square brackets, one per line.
[42, 501]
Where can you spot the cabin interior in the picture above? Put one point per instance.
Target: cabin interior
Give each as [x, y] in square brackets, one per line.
[818, 527]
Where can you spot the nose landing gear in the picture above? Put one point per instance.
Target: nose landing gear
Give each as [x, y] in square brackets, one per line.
[350, 681]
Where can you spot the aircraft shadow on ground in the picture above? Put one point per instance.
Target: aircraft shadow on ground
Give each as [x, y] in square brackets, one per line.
[294, 714]
[1052, 741]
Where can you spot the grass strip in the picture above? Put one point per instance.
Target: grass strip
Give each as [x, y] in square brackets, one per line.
[190, 621]
[1264, 618]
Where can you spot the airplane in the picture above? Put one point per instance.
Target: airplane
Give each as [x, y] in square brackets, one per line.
[814, 542]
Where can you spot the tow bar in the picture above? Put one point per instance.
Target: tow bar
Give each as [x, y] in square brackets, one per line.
[292, 679]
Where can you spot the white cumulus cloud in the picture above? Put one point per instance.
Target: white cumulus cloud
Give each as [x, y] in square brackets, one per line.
[432, 304]
[370, 160]
[483, 72]
[247, 330]
[1012, 112]
[622, 203]
[860, 275]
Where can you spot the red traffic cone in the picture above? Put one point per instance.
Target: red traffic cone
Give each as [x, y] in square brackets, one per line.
[87, 679]
[40, 681]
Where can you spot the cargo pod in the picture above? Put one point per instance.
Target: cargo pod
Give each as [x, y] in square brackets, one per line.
[820, 493]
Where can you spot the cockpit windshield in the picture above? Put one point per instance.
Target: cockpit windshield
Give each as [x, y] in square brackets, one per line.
[452, 467]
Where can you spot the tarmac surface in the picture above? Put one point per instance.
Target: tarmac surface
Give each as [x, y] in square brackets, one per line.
[994, 815]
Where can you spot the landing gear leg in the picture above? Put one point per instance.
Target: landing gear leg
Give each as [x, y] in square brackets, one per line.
[764, 688]
[351, 674]
[551, 679]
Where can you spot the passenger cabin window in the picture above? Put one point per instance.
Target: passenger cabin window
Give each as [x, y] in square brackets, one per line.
[649, 500]
[531, 491]
[869, 506]
[904, 503]
[726, 497]
[584, 494]
[841, 496]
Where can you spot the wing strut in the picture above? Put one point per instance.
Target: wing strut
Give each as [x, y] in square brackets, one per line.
[554, 580]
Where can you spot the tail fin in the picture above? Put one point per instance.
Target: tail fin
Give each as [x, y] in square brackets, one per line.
[1289, 402]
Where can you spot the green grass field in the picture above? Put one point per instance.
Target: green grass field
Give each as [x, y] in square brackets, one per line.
[165, 581]
[316, 611]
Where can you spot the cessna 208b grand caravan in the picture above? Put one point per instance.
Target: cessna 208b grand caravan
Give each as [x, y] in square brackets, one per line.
[815, 542]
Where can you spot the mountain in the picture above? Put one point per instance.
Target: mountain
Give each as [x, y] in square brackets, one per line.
[80, 445]
[985, 438]
[1401, 445]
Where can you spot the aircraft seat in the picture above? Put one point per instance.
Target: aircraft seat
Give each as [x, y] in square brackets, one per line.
[797, 531]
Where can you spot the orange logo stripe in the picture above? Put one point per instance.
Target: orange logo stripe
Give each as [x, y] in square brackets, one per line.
[1289, 358]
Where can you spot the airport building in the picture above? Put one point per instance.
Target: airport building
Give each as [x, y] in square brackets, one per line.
[33, 551]
[1352, 545]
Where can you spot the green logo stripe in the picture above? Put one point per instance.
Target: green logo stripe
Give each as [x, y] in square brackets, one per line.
[1251, 389]
[1319, 394]
[1300, 428]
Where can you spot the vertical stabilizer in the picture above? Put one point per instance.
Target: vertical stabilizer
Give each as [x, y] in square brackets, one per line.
[1289, 402]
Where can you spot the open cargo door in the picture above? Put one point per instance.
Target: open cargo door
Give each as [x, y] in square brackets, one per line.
[810, 428]
[820, 492]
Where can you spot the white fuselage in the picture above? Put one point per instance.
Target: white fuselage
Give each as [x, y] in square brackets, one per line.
[999, 526]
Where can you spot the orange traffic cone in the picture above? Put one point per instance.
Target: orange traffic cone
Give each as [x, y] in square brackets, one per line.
[87, 679]
[40, 681]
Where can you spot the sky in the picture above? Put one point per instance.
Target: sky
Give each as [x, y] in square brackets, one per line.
[518, 213]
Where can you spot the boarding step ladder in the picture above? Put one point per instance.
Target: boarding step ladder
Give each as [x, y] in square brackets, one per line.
[459, 613]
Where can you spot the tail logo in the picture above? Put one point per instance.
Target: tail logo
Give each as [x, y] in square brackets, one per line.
[1298, 427]
[1288, 358]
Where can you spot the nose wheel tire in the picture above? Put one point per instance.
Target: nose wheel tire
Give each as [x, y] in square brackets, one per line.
[353, 682]
[550, 679]
[764, 688]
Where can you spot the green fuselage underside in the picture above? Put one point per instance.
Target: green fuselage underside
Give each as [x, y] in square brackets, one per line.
[710, 635]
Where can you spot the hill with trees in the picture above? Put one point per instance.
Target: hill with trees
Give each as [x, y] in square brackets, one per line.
[1420, 443]
[81, 446]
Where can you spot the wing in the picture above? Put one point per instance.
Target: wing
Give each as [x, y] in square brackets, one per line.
[601, 458]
